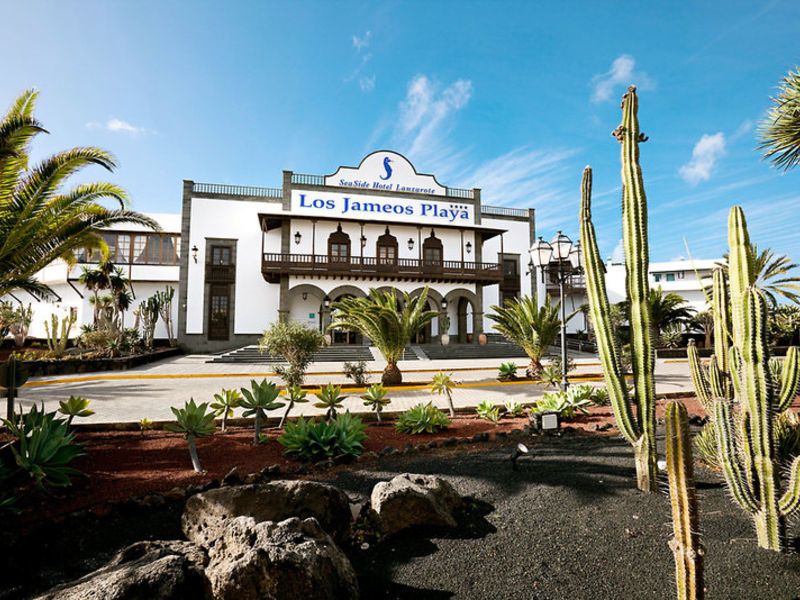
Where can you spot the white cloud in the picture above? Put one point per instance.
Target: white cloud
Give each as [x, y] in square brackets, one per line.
[359, 43]
[618, 254]
[622, 73]
[705, 155]
[118, 125]
[743, 129]
[367, 84]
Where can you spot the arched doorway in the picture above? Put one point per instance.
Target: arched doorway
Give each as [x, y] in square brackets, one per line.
[341, 337]
[463, 317]
[464, 307]
[424, 335]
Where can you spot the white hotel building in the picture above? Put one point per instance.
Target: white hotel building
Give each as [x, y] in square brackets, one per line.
[253, 255]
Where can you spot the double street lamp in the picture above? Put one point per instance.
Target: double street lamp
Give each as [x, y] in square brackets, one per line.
[562, 259]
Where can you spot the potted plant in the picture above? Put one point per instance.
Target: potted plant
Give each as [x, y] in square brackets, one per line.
[444, 327]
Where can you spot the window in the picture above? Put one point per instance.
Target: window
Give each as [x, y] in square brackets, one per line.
[670, 276]
[143, 249]
[339, 246]
[510, 270]
[123, 249]
[657, 277]
[220, 255]
[139, 249]
[680, 274]
[432, 251]
[387, 249]
[218, 312]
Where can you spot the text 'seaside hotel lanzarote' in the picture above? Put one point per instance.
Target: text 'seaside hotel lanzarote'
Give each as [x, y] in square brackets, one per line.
[253, 255]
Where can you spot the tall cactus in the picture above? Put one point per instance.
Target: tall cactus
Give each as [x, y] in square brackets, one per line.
[638, 429]
[686, 545]
[745, 428]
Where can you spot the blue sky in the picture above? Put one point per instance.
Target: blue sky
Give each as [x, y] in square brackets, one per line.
[512, 97]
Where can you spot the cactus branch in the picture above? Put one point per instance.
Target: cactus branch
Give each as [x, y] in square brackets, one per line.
[686, 545]
[728, 458]
[790, 379]
[790, 501]
[701, 386]
[600, 309]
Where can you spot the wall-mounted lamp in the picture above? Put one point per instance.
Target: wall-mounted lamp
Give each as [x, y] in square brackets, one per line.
[363, 241]
[469, 247]
[326, 302]
[194, 253]
[305, 295]
[444, 304]
[297, 237]
[410, 243]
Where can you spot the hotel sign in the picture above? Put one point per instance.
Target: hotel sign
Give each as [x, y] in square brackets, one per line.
[380, 208]
[387, 171]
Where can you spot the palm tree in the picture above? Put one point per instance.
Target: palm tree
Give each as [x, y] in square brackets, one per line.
[39, 222]
[379, 318]
[704, 320]
[666, 310]
[535, 329]
[780, 130]
[771, 274]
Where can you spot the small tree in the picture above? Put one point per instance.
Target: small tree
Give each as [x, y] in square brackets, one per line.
[16, 320]
[295, 395]
[330, 398]
[444, 384]
[259, 399]
[295, 343]
[227, 401]
[376, 399]
[193, 422]
[147, 316]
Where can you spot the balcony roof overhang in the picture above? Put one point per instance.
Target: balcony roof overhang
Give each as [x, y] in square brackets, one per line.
[274, 221]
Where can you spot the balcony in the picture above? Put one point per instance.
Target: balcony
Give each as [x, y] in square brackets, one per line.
[275, 265]
[220, 273]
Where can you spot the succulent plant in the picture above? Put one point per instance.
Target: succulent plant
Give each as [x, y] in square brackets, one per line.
[514, 409]
[226, 402]
[507, 370]
[295, 395]
[422, 418]
[257, 401]
[330, 398]
[637, 426]
[75, 406]
[443, 384]
[376, 399]
[344, 434]
[193, 421]
[487, 410]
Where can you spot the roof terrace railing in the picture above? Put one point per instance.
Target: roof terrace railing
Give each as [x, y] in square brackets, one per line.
[459, 193]
[236, 190]
[304, 179]
[504, 211]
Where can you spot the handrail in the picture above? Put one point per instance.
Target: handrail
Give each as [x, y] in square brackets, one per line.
[459, 193]
[321, 263]
[504, 211]
[304, 179]
[236, 190]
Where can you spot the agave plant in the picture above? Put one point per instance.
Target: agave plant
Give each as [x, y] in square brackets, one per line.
[514, 409]
[534, 328]
[193, 421]
[260, 398]
[487, 410]
[75, 406]
[378, 317]
[507, 371]
[344, 434]
[443, 384]
[43, 447]
[376, 399]
[551, 375]
[330, 398]
[295, 395]
[422, 418]
[227, 401]
[40, 222]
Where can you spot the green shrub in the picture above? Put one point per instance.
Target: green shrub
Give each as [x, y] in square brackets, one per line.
[294, 342]
[74, 406]
[422, 418]
[314, 441]
[487, 410]
[193, 421]
[514, 409]
[330, 398]
[43, 447]
[357, 372]
[600, 397]
[376, 399]
[507, 370]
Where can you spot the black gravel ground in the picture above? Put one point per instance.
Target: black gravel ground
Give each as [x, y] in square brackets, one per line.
[569, 524]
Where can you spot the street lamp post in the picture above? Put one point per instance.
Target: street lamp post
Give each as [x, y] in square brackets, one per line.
[567, 258]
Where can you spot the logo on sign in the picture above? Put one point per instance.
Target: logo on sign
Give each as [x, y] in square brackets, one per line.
[386, 166]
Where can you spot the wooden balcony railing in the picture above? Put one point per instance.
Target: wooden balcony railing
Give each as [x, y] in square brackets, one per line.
[220, 273]
[273, 265]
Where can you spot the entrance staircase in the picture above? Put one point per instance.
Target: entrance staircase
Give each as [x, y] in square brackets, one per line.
[250, 354]
[456, 351]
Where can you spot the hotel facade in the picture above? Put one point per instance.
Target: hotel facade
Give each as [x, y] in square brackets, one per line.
[250, 255]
